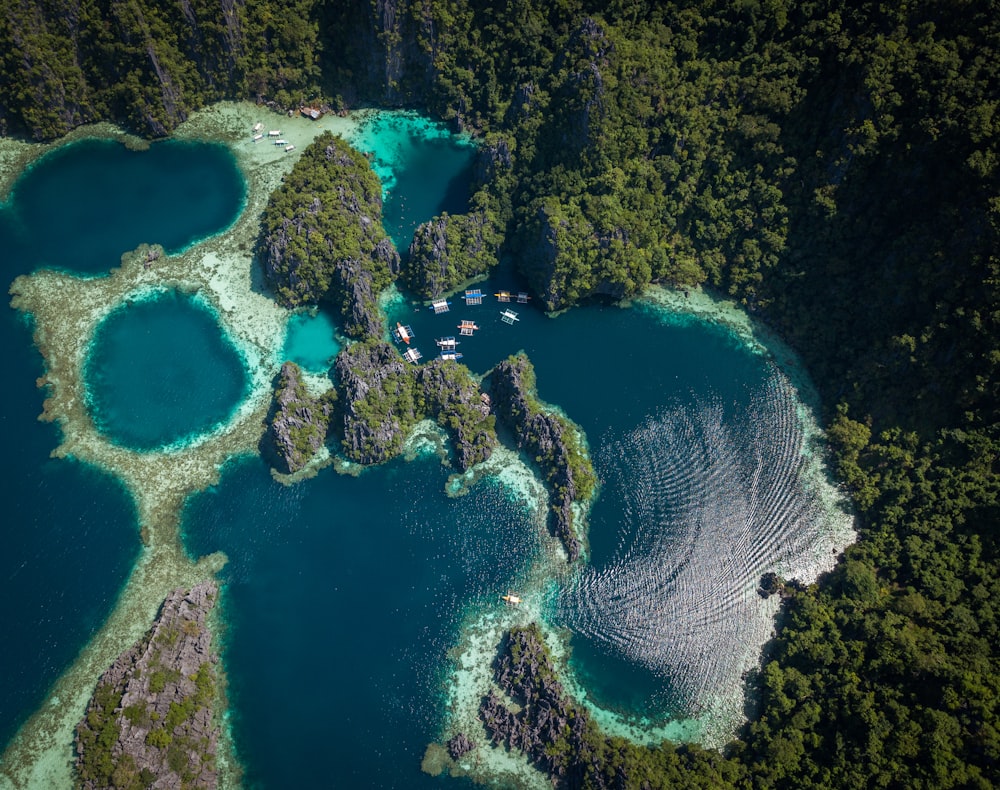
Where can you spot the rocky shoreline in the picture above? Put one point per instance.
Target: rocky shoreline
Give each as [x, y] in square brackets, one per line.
[551, 440]
[298, 422]
[151, 721]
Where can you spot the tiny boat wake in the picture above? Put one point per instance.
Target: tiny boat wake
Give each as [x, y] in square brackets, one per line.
[709, 503]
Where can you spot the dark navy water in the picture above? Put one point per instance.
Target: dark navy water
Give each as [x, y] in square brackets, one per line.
[343, 595]
[69, 541]
[160, 371]
[82, 205]
[70, 536]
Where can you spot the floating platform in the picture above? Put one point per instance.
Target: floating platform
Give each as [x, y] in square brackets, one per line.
[473, 297]
[467, 328]
[440, 306]
[403, 334]
[502, 296]
[412, 355]
[509, 317]
[522, 297]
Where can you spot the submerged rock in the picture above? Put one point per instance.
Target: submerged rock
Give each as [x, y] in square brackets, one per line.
[151, 721]
[551, 439]
[298, 422]
[460, 745]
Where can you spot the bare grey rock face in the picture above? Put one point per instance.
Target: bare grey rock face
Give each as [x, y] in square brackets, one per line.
[151, 721]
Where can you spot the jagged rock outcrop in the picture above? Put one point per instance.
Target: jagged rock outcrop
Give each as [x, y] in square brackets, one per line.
[323, 238]
[381, 398]
[375, 407]
[555, 733]
[581, 97]
[550, 439]
[151, 721]
[454, 399]
[449, 250]
[298, 422]
[460, 745]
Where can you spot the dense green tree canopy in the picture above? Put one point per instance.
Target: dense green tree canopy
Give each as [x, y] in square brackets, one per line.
[832, 165]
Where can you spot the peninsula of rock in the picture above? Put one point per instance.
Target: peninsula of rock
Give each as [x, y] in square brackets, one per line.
[152, 719]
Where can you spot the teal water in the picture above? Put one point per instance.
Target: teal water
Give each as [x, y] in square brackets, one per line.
[425, 170]
[311, 341]
[69, 541]
[354, 587]
[70, 536]
[82, 205]
[161, 371]
[343, 595]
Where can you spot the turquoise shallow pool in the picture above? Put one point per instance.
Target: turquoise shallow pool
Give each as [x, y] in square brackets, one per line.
[344, 595]
[161, 371]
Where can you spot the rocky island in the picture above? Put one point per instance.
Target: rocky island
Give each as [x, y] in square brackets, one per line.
[382, 398]
[551, 439]
[322, 237]
[298, 422]
[531, 712]
[152, 718]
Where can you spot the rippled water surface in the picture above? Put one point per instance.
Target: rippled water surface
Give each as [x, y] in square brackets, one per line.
[344, 594]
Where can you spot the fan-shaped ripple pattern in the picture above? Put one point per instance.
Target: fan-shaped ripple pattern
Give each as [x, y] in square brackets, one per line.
[711, 501]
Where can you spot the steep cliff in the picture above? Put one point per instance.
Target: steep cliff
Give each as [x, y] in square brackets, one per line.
[149, 65]
[382, 398]
[450, 250]
[298, 422]
[152, 716]
[550, 439]
[323, 239]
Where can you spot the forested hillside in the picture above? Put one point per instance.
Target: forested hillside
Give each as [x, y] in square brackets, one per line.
[832, 165]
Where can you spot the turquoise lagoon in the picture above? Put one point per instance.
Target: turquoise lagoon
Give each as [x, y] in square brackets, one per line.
[70, 536]
[160, 372]
[344, 595]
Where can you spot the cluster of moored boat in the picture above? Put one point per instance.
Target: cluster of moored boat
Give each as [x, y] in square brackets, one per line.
[273, 136]
[448, 345]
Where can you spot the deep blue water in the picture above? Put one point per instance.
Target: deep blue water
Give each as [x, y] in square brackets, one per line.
[82, 205]
[70, 536]
[344, 594]
[160, 371]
